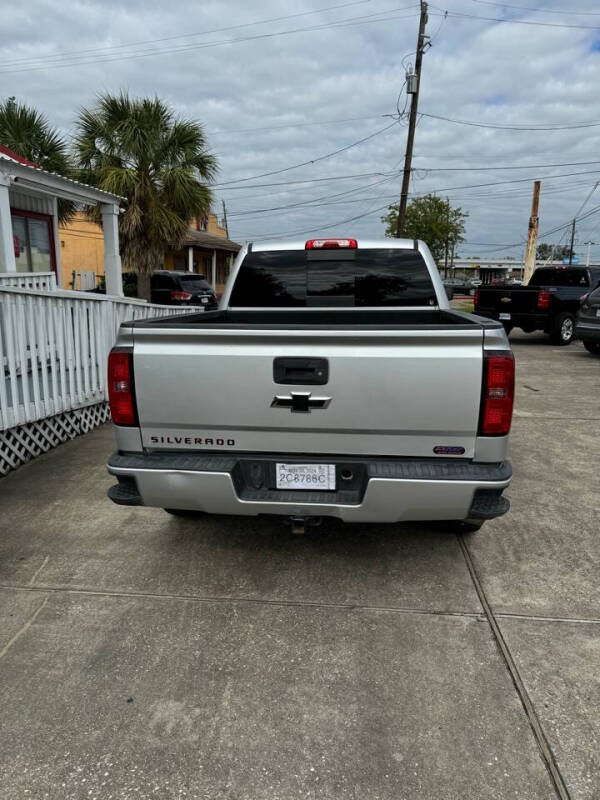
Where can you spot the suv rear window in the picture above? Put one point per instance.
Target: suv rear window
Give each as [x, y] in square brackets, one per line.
[559, 277]
[194, 283]
[320, 278]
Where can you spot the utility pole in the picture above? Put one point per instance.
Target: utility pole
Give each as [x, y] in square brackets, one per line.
[412, 120]
[587, 255]
[532, 234]
[572, 241]
[225, 219]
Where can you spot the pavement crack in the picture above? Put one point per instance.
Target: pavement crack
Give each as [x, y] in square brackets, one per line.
[241, 600]
[24, 628]
[539, 618]
[38, 570]
[536, 726]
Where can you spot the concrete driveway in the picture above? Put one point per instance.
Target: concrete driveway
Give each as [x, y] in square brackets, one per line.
[143, 656]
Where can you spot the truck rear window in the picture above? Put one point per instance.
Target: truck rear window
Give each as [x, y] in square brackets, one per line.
[325, 278]
[559, 277]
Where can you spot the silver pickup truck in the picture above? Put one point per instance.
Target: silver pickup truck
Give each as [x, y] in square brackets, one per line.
[333, 381]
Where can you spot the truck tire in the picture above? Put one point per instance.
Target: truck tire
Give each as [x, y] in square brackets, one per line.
[592, 347]
[563, 329]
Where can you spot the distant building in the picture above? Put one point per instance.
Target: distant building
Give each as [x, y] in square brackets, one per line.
[81, 249]
[206, 250]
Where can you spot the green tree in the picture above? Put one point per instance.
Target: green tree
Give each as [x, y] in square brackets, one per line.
[29, 134]
[432, 219]
[160, 165]
[554, 251]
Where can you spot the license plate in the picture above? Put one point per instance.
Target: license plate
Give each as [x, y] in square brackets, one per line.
[598, 312]
[504, 315]
[204, 299]
[305, 476]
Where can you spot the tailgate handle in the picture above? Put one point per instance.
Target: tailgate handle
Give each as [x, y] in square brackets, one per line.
[301, 371]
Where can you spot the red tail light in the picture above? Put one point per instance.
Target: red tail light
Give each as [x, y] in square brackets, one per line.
[497, 394]
[181, 295]
[121, 393]
[330, 244]
[543, 300]
[476, 297]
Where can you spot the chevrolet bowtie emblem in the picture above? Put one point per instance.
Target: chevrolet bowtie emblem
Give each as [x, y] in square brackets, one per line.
[300, 402]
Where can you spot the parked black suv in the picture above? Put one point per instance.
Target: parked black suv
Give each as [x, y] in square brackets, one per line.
[548, 303]
[173, 288]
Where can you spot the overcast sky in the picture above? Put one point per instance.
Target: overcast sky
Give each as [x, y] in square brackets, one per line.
[277, 84]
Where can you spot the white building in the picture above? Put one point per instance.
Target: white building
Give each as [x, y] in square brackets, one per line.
[29, 239]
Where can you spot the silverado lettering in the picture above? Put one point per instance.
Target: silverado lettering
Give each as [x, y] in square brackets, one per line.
[192, 440]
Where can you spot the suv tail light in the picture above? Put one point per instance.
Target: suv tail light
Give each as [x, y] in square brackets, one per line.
[181, 295]
[476, 297]
[330, 244]
[121, 390]
[498, 393]
[543, 300]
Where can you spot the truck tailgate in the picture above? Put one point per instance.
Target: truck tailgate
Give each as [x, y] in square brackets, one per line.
[520, 300]
[391, 392]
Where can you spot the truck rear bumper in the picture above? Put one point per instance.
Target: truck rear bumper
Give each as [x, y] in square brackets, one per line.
[532, 321]
[381, 490]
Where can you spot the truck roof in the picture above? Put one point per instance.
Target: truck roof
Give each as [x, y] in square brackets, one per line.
[300, 244]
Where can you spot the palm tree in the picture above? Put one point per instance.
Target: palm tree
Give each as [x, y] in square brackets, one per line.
[29, 134]
[138, 149]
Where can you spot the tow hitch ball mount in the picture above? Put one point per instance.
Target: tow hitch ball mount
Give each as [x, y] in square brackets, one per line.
[299, 525]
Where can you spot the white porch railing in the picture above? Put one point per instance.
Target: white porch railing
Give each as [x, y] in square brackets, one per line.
[54, 348]
[45, 281]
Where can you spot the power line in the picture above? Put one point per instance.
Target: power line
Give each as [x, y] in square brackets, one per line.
[311, 161]
[234, 184]
[583, 205]
[297, 125]
[497, 126]
[349, 22]
[544, 234]
[463, 15]
[325, 226]
[108, 49]
[314, 202]
[540, 10]
[329, 179]
[514, 166]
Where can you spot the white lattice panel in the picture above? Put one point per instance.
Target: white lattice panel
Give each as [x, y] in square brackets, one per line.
[24, 442]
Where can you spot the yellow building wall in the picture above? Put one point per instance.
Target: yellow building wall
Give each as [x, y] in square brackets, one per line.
[81, 248]
[214, 227]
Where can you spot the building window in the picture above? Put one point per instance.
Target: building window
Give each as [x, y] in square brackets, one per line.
[201, 223]
[33, 241]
